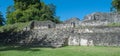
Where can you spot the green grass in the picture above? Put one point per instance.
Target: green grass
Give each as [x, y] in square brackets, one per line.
[64, 51]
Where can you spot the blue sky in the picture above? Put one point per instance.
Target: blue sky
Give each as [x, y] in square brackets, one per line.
[70, 8]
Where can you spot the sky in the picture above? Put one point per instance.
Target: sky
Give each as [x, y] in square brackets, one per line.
[67, 9]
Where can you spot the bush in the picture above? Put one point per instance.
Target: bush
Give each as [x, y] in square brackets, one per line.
[13, 27]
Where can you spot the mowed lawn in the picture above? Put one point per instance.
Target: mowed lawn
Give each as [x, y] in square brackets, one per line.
[64, 51]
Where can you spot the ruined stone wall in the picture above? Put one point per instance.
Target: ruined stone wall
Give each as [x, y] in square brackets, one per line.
[61, 26]
[82, 36]
[95, 36]
[100, 16]
[90, 32]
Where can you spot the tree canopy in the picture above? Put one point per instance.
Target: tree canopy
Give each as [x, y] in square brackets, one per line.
[2, 21]
[116, 5]
[27, 10]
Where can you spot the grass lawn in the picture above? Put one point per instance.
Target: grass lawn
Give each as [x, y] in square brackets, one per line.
[64, 51]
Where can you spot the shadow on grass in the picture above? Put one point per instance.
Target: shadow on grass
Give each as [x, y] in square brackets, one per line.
[18, 48]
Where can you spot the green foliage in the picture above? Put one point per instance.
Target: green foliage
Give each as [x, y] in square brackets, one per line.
[64, 51]
[10, 16]
[114, 24]
[24, 4]
[13, 27]
[25, 11]
[116, 5]
[2, 21]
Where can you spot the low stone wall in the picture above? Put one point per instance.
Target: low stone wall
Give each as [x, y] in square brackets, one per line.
[95, 36]
[82, 36]
[43, 38]
[96, 39]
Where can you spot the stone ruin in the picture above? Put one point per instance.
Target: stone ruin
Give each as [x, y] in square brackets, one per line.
[92, 31]
[94, 19]
[42, 24]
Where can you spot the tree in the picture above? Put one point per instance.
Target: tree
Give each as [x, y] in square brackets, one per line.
[116, 5]
[2, 21]
[10, 16]
[25, 11]
[24, 4]
[48, 13]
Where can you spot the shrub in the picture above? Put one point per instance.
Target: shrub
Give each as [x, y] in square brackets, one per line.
[13, 27]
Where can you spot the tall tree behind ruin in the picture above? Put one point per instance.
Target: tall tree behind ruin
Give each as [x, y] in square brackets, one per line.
[116, 5]
[2, 21]
[27, 10]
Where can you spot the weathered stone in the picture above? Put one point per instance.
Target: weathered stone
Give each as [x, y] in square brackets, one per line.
[98, 16]
[90, 32]
[72, 20]
[41, 24]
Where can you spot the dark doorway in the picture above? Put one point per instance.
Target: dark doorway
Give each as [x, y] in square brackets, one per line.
[73, 23]
[49, 26]
[32, 25]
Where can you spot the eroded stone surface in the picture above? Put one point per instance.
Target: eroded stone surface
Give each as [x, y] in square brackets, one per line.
[90, 32]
